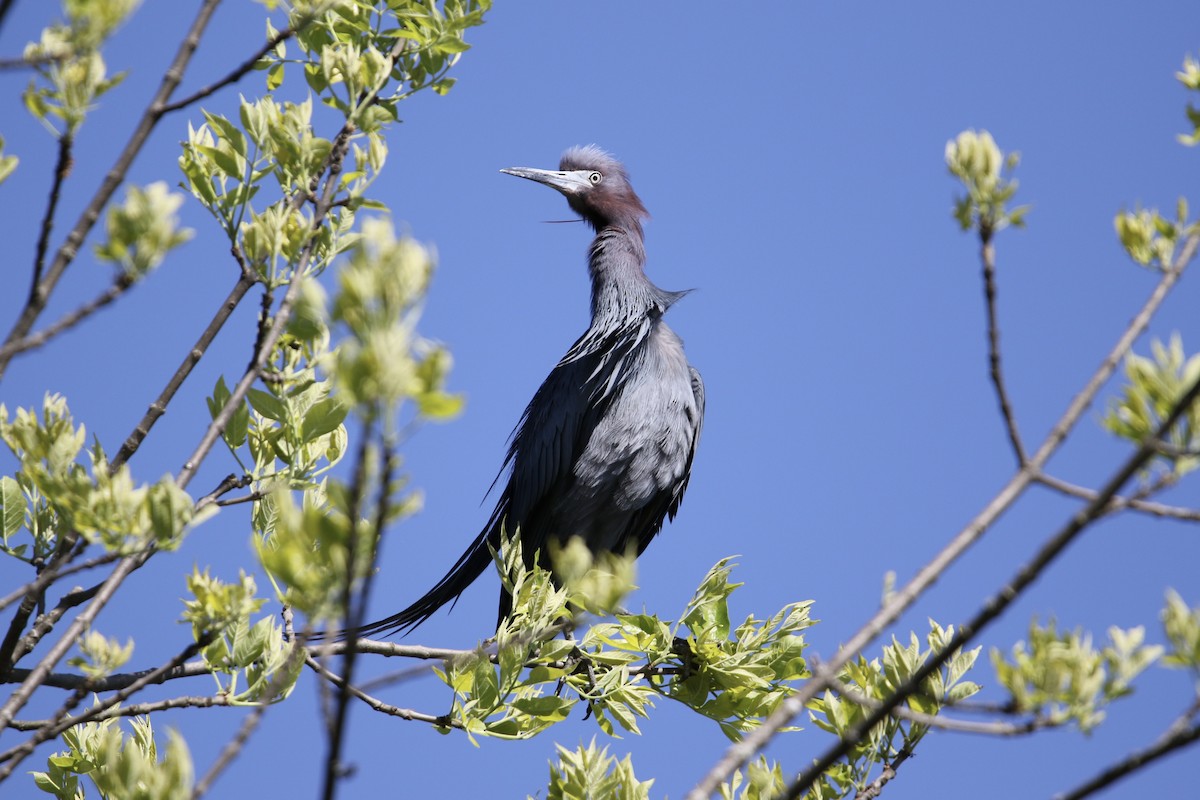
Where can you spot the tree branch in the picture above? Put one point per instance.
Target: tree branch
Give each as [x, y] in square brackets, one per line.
[987, 256]
[14, 756]
[121, 285]
[1000, 601]
[378, 705]
[70, 247]
[1178, 735]
[159, 406]
[1120, 502]
[62, 168]
[739, 753]
[240, 71]
[136, 710]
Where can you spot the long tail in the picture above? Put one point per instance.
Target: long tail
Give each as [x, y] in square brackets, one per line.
[470, 565]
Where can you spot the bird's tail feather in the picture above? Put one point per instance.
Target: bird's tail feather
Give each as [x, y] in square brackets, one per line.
[470, 565]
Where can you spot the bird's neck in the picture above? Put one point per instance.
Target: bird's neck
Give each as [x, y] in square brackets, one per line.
[622, 295]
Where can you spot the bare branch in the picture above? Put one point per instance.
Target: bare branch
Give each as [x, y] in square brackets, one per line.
[14, 756]
[987, 256]
[354, 612]
[1119, 502]
[69, 320]
[1178, 735]
[112, 683]
[240, 71]
[230, 751]
[62, 168]
[377, 704]
[135, 710]
[91, 563]
[159, 406]
[889, 774]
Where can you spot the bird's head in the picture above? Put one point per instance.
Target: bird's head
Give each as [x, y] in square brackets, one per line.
[595, 184]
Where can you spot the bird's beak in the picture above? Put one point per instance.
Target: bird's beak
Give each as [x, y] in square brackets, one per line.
[569, 183]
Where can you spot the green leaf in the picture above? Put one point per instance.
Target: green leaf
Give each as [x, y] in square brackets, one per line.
[268, 405]
[12, 507]
[325, 416]
[274, 77]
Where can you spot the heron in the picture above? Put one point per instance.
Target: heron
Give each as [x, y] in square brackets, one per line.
[604, 449]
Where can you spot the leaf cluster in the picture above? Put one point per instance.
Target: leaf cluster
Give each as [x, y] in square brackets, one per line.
[1154, 387]
[975, 159]
[121, 767]
[53, 495]
[1061, 677]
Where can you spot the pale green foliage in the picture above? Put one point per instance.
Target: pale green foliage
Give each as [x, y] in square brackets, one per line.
[1150, 238]
[1190, 77]
[762, 780]
[380, 363]
[976, 160]
[343, 58]
[1061, 677]
[143, 230]
[735, 676]
[1155, 386]
[235, 648]
[68, 61]
[877, 679]
[60, 494]
[7, 163]
[308, 548]
[218, 606]
[1182, 626]
[121, 767]
[595, 582]
[590, 772]
[383, 361]
[101, 656]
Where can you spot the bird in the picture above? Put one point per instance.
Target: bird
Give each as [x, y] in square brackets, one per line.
[604, 449]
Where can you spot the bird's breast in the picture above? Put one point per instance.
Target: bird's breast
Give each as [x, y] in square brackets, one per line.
[640, 446]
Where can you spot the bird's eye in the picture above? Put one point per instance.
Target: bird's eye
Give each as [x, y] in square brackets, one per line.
[595, 178]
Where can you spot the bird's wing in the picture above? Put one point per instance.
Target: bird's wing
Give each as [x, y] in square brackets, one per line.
[648, 521]
[552, 432]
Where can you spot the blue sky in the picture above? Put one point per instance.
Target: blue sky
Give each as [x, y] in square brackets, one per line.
[792, 157]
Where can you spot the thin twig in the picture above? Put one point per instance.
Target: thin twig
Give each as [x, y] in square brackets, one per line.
[16, 755]
[159, 406]
[62, 168]
[70, 319]
[987, 256]
[227, 485]
[114, 682]
[1120, 502]
[135, 710]
[91, 563]
[889, 774]
[353, 617]
[1177, 736]
[739, 753]
[230, 751]
[116, 174]
[240, 71]
[443, 721]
